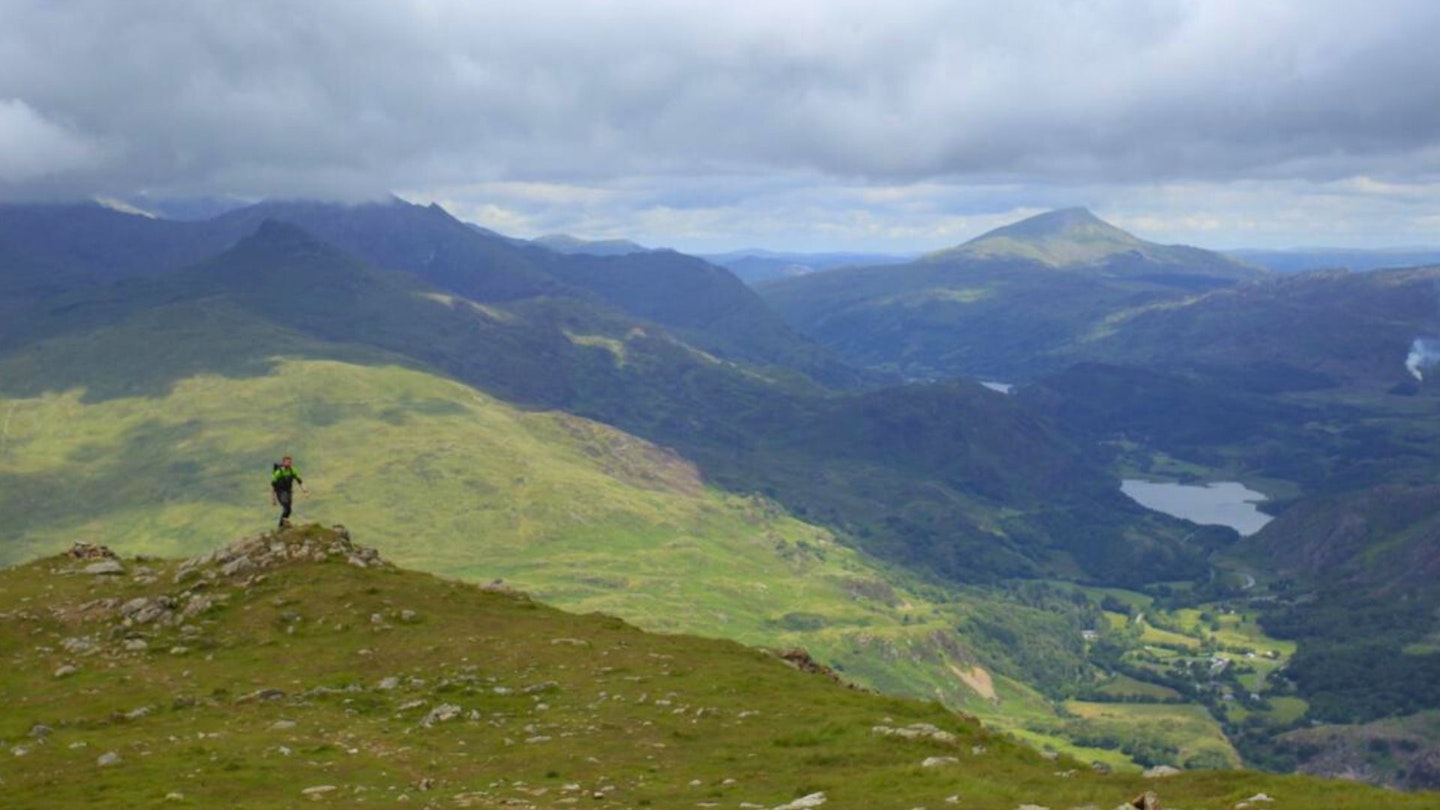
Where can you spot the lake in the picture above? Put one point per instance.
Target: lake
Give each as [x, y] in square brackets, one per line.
[1224, 503]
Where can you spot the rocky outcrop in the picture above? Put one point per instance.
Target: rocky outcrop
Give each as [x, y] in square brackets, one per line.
[311, 543]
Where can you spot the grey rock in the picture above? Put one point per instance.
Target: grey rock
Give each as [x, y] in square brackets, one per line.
[105, 568]
[41, 730]
[935, 762]
[440, 714]
[1145, 801]
[66, 670]
[79, 646]
[805, 802]
[108, 759]
[136, 645]
[1161, 771]
[238, 565]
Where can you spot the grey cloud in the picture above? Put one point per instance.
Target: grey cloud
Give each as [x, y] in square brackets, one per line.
[354, 97]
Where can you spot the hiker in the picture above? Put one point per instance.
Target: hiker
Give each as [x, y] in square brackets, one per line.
[284, 476]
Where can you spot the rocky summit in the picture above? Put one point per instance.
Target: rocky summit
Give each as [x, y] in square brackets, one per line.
[299, 667]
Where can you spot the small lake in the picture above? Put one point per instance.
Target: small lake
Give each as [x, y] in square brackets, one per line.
[1224, 503]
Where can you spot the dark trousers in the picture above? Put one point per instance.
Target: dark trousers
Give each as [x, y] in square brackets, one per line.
[283, 496]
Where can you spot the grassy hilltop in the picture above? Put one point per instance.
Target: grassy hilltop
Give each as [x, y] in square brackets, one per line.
[295, 668]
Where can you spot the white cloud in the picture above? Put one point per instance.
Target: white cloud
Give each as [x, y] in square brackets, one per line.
[33, 148]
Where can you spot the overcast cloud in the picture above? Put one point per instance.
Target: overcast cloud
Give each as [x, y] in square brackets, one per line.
[807, 124]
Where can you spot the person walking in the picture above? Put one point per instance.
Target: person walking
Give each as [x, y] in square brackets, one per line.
[282, 480]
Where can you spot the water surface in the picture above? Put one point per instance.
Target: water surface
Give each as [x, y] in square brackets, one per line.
[1222, 503]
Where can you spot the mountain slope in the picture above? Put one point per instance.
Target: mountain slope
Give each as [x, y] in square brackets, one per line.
[1004, 305]
[704, 305]
[271, 672]
[1337, 327]
[740, 426]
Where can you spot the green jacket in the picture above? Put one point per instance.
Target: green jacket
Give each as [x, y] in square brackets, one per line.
[284, 478]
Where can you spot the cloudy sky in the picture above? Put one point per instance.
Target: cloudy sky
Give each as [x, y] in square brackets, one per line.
[792, 124]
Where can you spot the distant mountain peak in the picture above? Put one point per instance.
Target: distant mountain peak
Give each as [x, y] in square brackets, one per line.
[1061, 221]
[1066, 236]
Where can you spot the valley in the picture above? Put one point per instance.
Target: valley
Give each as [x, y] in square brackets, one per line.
[637, 434]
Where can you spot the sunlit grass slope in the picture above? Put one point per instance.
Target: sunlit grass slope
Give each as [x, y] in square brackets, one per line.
[290, 680]
[448, 480]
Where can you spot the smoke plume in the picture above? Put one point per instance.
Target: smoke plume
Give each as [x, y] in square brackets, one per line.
[1424, 353]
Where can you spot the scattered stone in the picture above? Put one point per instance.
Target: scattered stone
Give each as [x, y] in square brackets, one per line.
[1049, 755]
[239, 565]
[174, 796]
[916, 731]
[41, 730]
[78, 646]
[1145, 801]
[261, 694]
[1161, 772]
[20, 750]
[318, 791]
[409, 616]
[805, 802]
[282, 725]
[387, 684]
[441, 714]
[108, 759]
[1032, 807]
[136, 645]
[105, 568]
[1259, 797]
[935, 762]
[66, 670]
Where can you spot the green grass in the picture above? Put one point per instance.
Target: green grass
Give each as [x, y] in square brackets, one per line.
[552, 706]
[1124, 686]
[448, 480]
[1189, 730]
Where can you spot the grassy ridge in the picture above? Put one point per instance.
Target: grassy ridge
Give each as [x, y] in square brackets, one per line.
[362, 685]
[452, 481]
